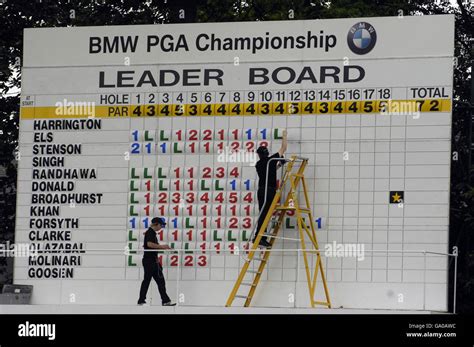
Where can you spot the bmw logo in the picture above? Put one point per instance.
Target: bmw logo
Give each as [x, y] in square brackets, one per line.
[361, 38]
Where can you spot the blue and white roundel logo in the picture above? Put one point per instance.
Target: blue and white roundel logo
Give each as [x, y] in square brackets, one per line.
[361, 38]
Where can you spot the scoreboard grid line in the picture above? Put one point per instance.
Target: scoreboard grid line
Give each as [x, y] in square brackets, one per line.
[358, 195]
[388, 207]
[404, 189]
[373, 206]
[343, 195]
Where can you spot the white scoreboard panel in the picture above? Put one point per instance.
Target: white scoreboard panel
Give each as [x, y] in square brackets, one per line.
[120, 124]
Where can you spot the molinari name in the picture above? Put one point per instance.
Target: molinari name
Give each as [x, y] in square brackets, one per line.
[55, 260]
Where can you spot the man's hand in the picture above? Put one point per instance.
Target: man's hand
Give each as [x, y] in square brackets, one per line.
[164, 247]
[157, 246]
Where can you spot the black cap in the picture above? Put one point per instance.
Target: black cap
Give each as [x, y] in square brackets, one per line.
[263, 151]
[158, 220]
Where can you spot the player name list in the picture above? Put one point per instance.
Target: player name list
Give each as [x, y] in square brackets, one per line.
[51, 231]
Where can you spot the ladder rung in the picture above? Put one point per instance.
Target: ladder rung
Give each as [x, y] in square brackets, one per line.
[254, 258]
[241, 296]
[282, 238]
[248, 284]
[322, 303]
[288, 208]
[284, 208]
[254, 272]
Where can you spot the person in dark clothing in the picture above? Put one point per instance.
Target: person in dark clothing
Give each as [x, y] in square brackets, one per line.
[151, 265]
[271, 185]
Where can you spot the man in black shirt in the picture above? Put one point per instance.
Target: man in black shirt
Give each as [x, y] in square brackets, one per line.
[271, 185]
[151, 264]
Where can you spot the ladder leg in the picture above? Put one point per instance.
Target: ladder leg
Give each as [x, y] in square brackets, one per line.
[262, 265]
[319, 266]
[303, 243]
[313, 232]
[319, 263]
[306, 264]
[242, 273]
[245, 267]
[256, 279]
[326, 290]
[315, 274]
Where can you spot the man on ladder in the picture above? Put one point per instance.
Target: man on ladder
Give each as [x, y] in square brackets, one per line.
[292, 183]
[264, 202]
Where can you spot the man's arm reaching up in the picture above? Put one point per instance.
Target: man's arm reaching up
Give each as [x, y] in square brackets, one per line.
[284, 144]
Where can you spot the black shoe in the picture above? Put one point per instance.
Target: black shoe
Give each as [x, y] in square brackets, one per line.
[264, 243]
[169, 303]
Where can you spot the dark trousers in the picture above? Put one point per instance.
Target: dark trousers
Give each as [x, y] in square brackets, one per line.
[261, 199]
[155, 271]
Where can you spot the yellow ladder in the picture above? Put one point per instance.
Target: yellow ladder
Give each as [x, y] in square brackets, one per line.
[291, 204]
